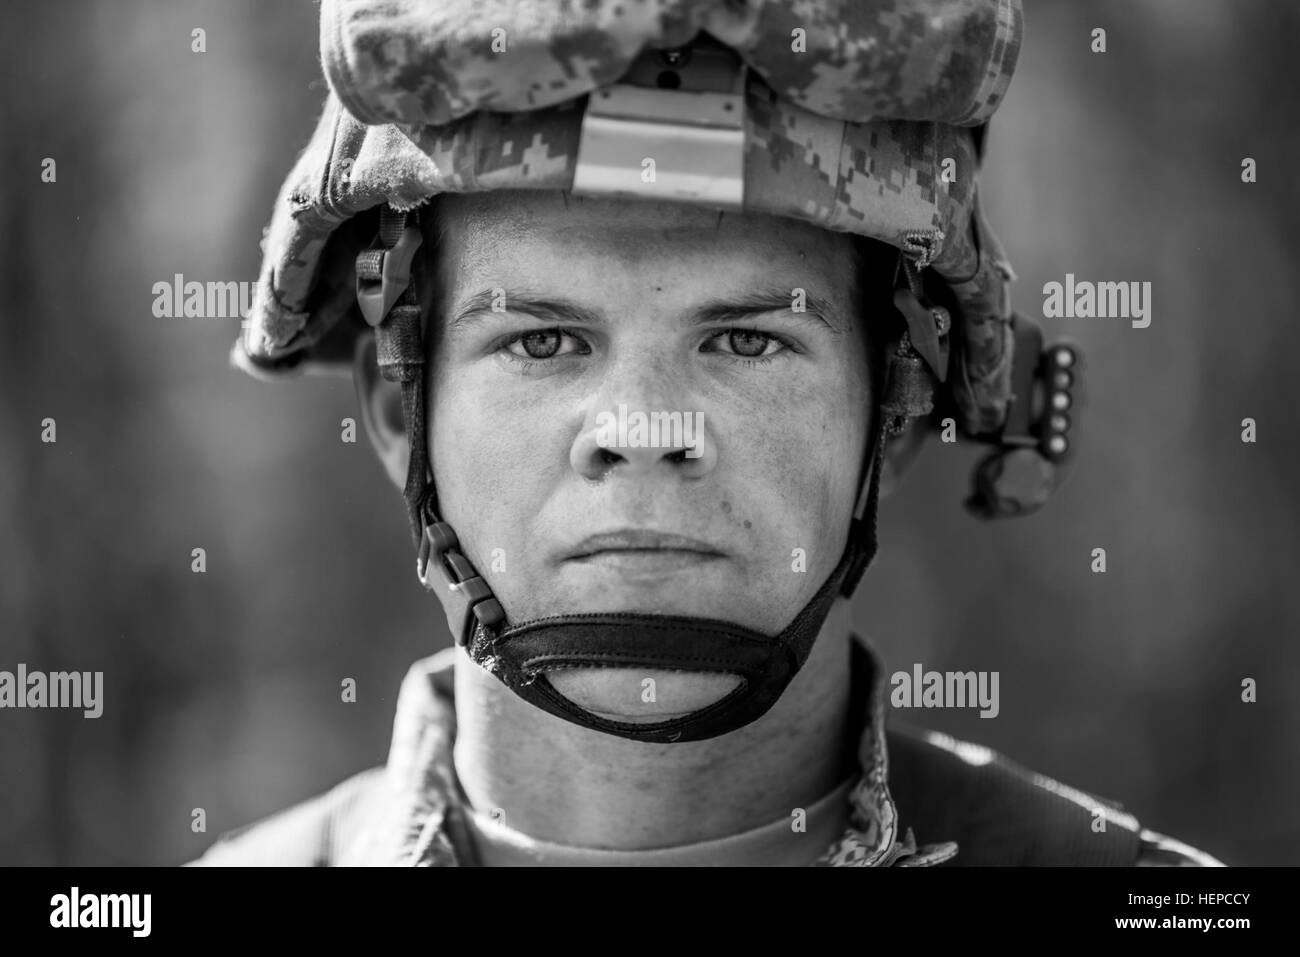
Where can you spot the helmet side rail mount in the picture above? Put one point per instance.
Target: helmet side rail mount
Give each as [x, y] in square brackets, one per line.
[1034, 445]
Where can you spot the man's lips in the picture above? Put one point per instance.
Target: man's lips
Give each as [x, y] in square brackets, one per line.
[641, 547]
[648, 563]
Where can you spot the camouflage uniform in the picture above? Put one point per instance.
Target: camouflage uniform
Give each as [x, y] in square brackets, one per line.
[970, 805]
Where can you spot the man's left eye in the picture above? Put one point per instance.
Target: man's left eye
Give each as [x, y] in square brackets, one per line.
[543, 344]
[748, 343]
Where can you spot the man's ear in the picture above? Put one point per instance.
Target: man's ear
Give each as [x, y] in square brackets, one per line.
[381, 411]
[900, 452]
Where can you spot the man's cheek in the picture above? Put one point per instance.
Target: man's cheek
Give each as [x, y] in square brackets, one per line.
[498, 457]
[794, 454]
[798, 465]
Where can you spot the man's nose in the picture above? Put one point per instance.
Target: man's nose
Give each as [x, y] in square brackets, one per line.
[639, 439]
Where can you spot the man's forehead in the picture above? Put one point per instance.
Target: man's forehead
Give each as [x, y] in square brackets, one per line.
[480, 224]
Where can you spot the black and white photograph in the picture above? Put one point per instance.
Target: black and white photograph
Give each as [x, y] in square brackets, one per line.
[651, 433]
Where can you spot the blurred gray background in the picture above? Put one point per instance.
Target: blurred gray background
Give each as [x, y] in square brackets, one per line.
[222, 689]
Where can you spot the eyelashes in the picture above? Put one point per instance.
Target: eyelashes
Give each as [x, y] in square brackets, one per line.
[542, 345]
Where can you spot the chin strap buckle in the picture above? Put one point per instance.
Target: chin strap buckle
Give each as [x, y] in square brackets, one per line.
[465, 596]
[384, 270]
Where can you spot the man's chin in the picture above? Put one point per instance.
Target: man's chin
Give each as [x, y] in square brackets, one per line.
[642, 695]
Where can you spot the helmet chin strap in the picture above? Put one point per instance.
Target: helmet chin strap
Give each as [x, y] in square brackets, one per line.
[522, 655]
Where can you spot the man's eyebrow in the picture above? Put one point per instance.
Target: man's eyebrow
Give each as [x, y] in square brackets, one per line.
[545, 308]
[560, 310]
[765, 300]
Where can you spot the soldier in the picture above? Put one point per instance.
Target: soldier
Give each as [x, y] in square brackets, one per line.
[646, 309]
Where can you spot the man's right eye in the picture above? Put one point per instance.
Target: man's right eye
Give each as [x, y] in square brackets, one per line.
[543, 344]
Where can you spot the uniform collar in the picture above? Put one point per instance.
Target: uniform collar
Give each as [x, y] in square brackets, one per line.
[415, 819]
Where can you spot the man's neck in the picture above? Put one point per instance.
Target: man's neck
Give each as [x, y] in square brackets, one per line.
[558, 782]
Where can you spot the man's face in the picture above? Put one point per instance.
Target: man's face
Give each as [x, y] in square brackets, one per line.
[548, 314]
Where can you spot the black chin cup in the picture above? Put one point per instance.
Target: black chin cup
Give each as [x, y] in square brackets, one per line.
[524, 656]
